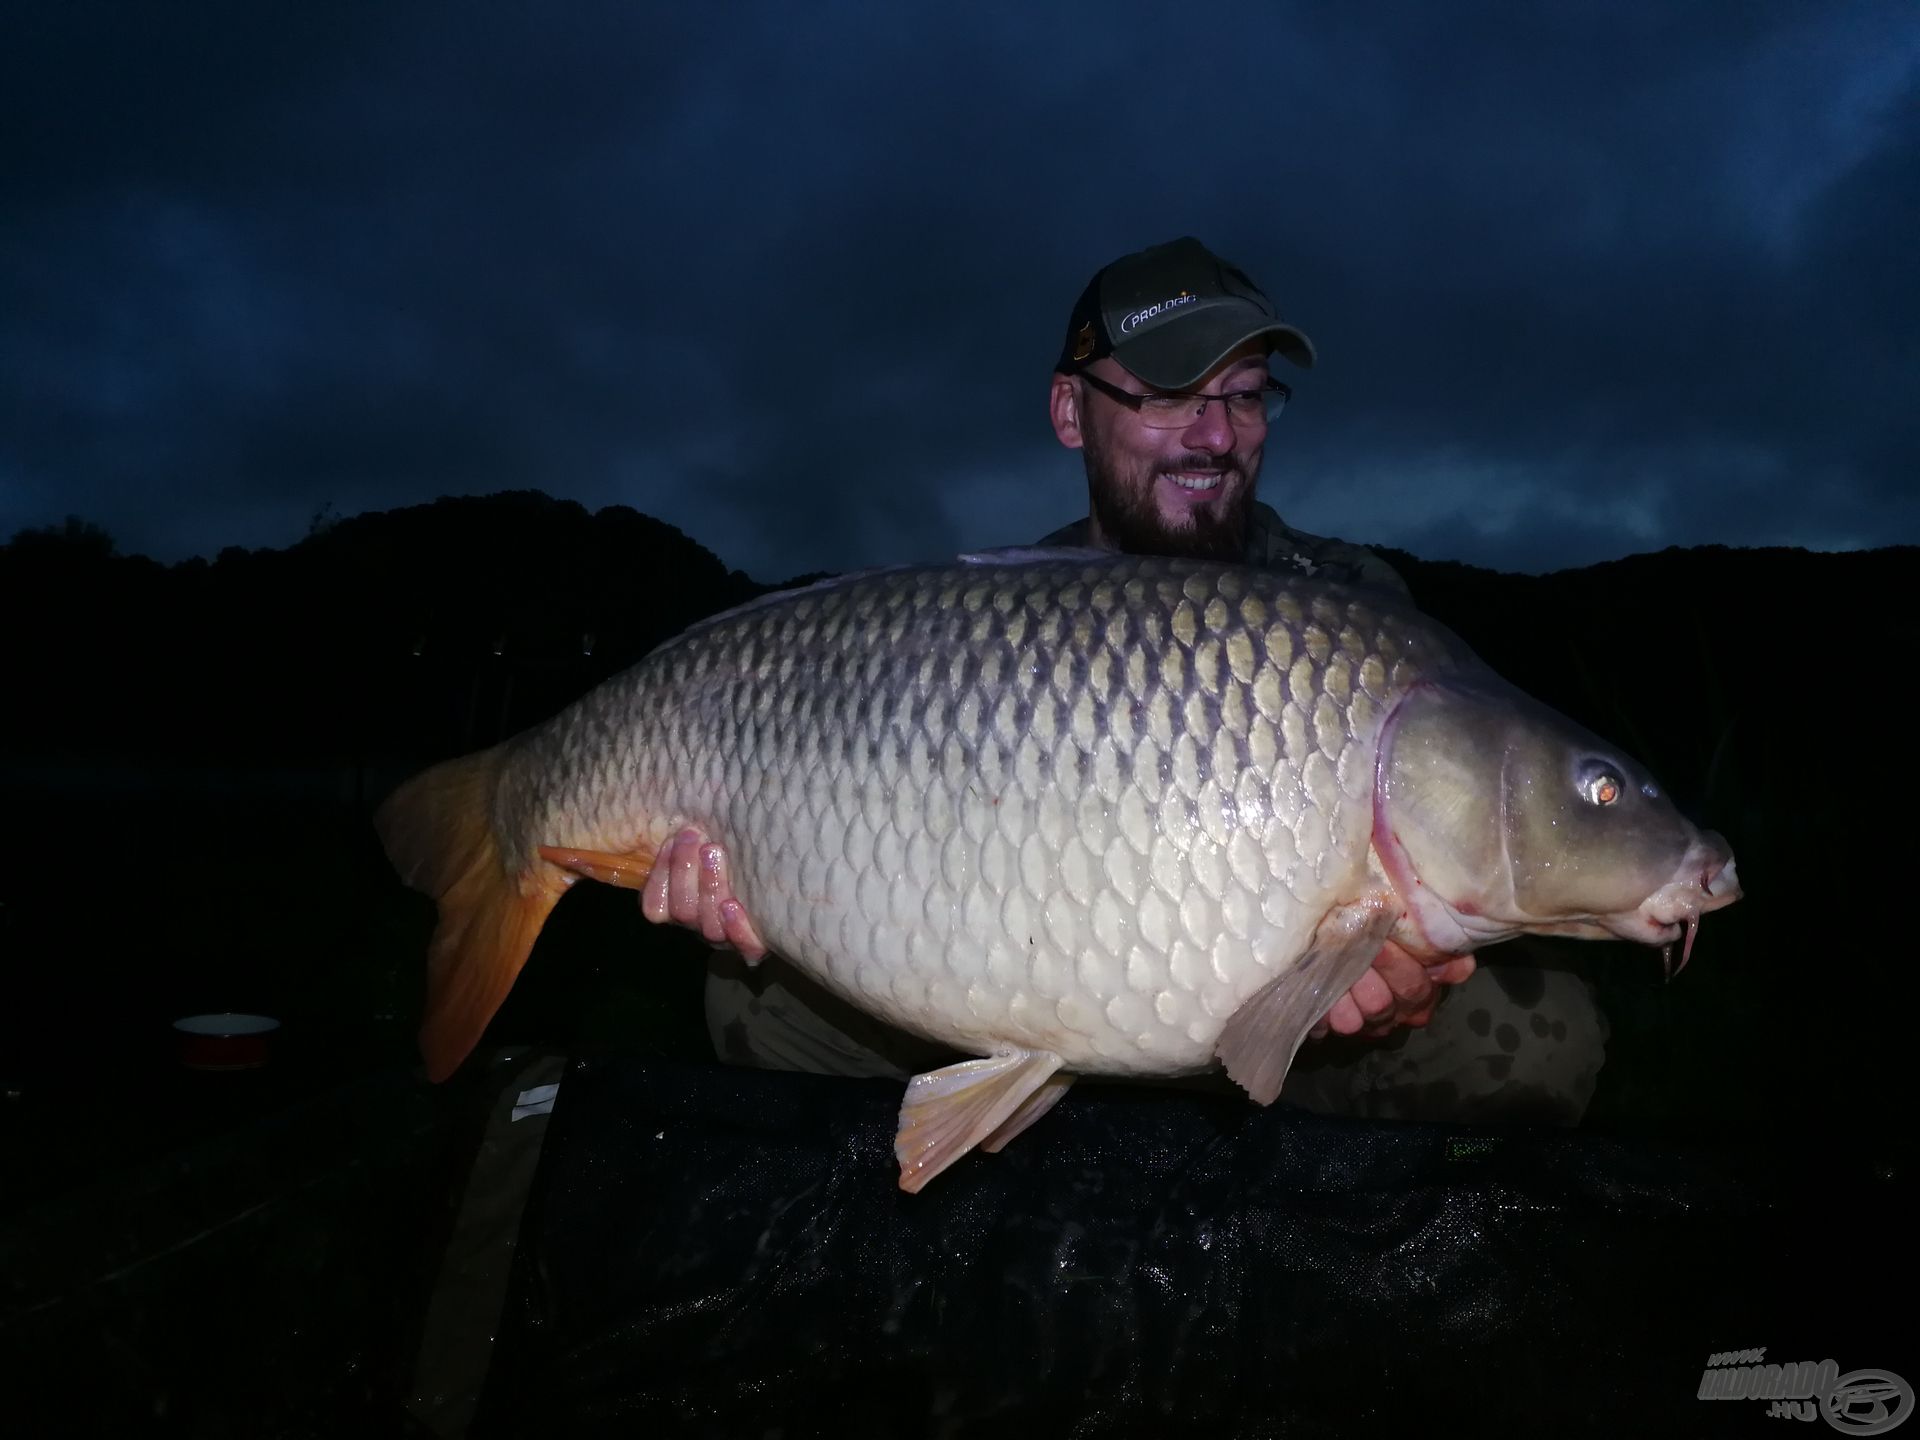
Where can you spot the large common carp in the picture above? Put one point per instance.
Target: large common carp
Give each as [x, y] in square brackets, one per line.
[1075, 814]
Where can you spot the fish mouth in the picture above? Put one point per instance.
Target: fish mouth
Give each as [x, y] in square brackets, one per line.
[1705, 881]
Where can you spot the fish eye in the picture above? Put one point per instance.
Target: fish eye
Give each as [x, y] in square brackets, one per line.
[1599, 785]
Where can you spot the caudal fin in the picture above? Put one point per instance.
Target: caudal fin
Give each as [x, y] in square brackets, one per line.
[437, 830]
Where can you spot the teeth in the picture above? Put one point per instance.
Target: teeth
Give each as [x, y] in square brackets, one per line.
[1195, 482]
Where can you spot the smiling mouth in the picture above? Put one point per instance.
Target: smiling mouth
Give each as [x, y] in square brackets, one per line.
[1197, 479]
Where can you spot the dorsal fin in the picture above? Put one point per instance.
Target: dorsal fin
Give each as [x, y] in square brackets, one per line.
[1040, 554]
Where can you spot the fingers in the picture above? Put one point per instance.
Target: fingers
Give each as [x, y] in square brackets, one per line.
[1414, 989]
[1452, 972]
[683, 883]
[674, 884]
[713, 876]
[1375, 1002]
[654, 898]
[1349, 1014]
[723, 919]
[740, 933]
[1345, 1017]
[691, 885]
[1398, 990]
[1405, 976]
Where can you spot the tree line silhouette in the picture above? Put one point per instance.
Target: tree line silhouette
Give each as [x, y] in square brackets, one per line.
[1758, 684]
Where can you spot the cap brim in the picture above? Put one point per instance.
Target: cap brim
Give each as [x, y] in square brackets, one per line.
[1179, 355]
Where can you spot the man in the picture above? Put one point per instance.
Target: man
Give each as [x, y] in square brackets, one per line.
[1163, 386]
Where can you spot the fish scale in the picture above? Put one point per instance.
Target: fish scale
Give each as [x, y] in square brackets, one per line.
[988, 704]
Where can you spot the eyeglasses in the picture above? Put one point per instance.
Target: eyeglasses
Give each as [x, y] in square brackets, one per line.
[1177, 409]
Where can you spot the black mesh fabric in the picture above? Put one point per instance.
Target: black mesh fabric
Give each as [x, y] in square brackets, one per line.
[722, 1252]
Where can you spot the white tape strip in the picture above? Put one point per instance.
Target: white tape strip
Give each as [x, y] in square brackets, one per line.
[537, 1101]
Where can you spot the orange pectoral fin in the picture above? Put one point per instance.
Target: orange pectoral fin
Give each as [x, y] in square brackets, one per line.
[628, 871]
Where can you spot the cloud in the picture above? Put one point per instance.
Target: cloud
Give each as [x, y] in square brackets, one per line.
[794, 280]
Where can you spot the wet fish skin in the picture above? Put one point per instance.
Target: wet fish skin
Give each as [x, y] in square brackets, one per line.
[1061, 806]
[1079, 815]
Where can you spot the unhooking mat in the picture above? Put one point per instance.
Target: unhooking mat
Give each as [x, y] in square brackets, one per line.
[716, 1252]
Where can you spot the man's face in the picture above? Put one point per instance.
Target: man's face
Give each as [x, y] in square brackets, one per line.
[1173, 492]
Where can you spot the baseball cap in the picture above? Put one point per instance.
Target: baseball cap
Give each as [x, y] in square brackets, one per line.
[1170, 313]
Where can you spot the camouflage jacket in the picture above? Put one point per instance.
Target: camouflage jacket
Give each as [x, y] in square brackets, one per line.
[1276, 545]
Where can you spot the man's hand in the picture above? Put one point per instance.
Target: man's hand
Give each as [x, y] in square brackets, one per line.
[689, 885]
[1398, 990]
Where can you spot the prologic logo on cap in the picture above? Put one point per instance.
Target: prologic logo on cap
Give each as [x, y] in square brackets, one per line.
[1140, 317]
[1083, 342]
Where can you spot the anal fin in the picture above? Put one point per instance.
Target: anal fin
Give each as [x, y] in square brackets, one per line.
[949, 1111]
[629, 871]
[1260, 1039]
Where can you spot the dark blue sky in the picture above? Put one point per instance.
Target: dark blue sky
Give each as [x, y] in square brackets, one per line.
[1585, 279]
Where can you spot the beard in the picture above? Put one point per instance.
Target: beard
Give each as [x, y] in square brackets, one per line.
[1129, 518]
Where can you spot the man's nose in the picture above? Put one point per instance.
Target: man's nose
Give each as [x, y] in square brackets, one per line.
[1211, 431]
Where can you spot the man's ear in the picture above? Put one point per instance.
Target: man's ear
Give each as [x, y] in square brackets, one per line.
[1063, 406]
